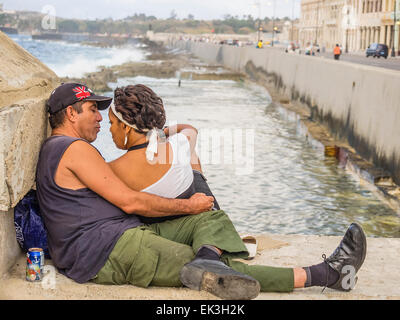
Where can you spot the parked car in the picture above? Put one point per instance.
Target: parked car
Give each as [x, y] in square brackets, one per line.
[377, 50]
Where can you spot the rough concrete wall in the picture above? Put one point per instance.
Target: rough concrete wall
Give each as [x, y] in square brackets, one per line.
[8, 245]
[25, 85]
[359, 103]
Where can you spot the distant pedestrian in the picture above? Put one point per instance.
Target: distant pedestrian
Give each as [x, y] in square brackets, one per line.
[337, 52]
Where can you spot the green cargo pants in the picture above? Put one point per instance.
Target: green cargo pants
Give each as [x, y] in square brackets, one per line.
[153, 255]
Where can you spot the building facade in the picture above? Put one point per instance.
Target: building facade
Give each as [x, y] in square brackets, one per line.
[354, 24]
[309, 24]
[377, 23]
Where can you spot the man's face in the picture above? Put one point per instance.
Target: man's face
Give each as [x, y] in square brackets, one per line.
[88, 121]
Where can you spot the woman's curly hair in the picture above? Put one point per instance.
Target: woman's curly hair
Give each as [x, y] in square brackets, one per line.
[140, 106]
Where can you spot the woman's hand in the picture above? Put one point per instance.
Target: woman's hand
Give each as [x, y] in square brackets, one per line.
[201, 203]
[171, 130]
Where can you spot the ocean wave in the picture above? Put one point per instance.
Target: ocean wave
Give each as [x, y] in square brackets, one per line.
[87, 62]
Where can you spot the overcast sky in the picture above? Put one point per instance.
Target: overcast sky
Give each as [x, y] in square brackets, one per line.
[117, 9]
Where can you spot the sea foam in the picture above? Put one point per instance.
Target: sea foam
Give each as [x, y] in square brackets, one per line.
[91, 61]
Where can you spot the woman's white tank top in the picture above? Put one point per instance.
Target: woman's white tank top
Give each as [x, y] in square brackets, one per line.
[179, 177]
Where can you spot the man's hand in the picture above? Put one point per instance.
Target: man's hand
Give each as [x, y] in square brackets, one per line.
[200, 202]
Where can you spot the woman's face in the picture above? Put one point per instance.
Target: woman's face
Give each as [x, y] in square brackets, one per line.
[117, 131]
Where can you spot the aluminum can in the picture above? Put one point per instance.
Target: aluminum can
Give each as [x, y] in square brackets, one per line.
[34, 264]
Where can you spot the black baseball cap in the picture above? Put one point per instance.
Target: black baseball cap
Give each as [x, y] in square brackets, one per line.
[69, 93]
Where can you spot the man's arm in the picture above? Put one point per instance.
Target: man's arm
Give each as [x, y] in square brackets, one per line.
[90, 168]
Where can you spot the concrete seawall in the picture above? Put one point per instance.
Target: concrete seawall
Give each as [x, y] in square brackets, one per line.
[359, 104]
[25, 84]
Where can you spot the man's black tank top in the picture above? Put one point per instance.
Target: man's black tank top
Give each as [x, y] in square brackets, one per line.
[82, 227]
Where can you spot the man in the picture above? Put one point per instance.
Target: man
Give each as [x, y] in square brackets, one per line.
[337, 52]
[94, 232]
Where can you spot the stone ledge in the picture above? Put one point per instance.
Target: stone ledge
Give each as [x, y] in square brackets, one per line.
[377, 279]
[23, 124]
[25, 85]
[22, 76]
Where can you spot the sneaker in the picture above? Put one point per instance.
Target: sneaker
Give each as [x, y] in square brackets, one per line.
[219, 279]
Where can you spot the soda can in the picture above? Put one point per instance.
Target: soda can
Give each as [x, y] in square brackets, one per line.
[34, 264]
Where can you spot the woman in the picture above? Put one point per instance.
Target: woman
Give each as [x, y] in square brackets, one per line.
[152, 164]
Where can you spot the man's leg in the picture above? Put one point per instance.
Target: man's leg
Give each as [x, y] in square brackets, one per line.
[214, 228]
[142, 258]
[206, 232]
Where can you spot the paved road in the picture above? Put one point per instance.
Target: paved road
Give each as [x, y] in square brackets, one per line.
[392, 63]
[389, 63]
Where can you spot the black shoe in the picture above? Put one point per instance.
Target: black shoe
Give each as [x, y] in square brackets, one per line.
[219, 279]
[348, 258]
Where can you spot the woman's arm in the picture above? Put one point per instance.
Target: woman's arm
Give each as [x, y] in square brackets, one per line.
[191, 134]
[177, 128]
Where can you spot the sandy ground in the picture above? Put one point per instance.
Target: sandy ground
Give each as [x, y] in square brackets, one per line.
[377, 279]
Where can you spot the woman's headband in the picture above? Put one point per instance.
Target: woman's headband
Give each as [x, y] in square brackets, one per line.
[153, 143]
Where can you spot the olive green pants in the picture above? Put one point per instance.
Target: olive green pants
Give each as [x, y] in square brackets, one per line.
[153, 255]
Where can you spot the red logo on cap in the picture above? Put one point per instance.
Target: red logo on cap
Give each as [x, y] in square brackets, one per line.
[81, 92]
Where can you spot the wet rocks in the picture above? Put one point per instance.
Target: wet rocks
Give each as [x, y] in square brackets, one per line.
[160, 63]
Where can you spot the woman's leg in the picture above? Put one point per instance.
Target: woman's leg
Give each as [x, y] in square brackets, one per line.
[208, 228]
[271, 279]
[200, 185]
[215, 228]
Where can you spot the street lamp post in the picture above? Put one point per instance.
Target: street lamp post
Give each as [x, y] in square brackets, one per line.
[259, 20]
[347, 13]
[394, 28]
[273, 25]
[292, 37]
[317, 25]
